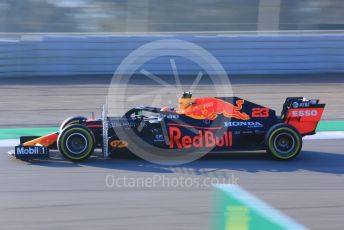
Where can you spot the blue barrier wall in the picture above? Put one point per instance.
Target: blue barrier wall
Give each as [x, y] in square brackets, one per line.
[100, 55]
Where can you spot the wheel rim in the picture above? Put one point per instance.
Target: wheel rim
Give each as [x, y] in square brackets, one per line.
[76, 143]
[284, 143]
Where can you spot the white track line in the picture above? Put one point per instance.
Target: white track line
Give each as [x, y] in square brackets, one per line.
[9, 142]
[235, 192]
[326, 135]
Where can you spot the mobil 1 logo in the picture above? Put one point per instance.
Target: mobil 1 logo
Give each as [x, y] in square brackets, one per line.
[31, 152]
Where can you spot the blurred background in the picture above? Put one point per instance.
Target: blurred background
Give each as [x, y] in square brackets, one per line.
[289, 41]
[169, 16]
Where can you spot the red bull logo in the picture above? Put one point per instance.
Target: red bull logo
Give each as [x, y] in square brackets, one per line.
[204, 138]
[210, 108]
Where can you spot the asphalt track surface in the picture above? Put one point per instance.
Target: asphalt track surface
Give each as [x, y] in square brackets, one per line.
[57, 194]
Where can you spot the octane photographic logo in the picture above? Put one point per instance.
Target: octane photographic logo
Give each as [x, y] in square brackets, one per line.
[155, 75]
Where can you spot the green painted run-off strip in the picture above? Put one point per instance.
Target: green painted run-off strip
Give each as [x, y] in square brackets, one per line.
[330, 126]
[15, 133]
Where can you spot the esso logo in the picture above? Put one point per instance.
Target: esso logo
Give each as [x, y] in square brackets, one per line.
[305, 113]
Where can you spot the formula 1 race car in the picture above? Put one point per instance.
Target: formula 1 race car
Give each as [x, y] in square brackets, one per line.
[212, 124]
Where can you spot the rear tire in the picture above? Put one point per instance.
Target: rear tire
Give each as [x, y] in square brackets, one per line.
[283, 142]
[72, 121]
[76, 142]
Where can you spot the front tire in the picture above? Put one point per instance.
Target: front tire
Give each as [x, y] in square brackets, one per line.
[283, 142]
[76, 142]
[72, 121]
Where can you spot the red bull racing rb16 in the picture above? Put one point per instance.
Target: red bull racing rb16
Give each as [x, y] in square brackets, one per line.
[211, 124]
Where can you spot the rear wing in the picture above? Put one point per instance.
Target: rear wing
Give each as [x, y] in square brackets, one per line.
[302, 113]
